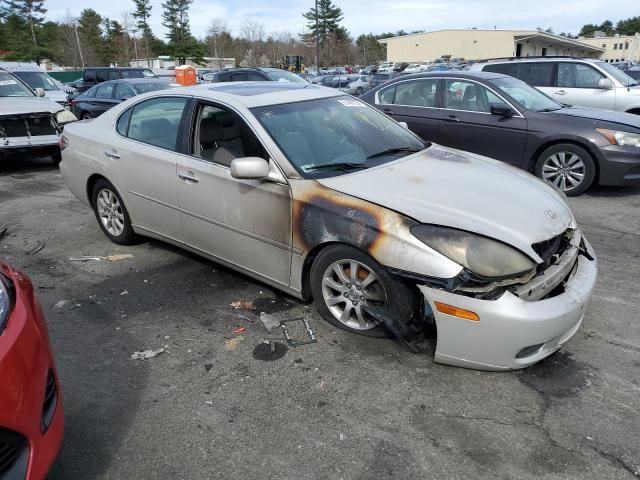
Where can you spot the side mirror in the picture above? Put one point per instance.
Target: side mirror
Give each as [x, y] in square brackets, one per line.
[404, 125]
[249, 168]
[501, 111]
[605, 84]
[39, 92]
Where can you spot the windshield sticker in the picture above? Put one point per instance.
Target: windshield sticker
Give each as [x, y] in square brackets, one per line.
[8, 82]
[268, 114]
[363, 117]
[351, 103]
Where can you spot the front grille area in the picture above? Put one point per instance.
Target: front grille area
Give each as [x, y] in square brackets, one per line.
[27, 125]
[550, 250]
[13, 455]
[50, 401]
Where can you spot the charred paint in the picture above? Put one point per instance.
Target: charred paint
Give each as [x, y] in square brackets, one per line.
[323, 215]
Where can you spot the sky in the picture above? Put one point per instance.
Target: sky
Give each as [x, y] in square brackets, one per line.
[377, 16]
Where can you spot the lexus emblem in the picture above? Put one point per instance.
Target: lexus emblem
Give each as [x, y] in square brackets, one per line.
[551, 214]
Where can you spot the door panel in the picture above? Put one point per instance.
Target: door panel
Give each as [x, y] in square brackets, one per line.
[142, 159]
[244, 222]
[468, 124]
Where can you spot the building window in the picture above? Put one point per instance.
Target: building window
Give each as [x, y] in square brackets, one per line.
[626, 46]
[615, 46]
[604, 45]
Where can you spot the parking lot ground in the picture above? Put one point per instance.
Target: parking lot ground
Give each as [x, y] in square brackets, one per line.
[346, 407]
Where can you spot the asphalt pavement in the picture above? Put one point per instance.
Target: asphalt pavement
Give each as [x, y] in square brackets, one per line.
[215, 404]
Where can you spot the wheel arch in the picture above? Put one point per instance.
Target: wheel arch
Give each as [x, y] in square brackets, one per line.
[93, 179]
[572, 141]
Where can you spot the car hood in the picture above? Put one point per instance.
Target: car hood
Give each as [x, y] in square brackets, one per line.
[444, 186]
[603, 115]
[21, 105]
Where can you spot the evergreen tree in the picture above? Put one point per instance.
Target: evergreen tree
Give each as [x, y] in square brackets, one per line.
[91, 36]
[142, 14]
[31, 12]
[182, 44]
[324, 27]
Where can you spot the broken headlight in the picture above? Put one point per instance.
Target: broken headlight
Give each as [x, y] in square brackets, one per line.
[480, 255]
[65, 116]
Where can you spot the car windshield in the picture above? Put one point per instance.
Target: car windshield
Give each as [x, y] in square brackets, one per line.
[527, 96]
[37, 80]
[330, 136]
[150, 87]
[284, 76]
[618, 74]
[10, 87]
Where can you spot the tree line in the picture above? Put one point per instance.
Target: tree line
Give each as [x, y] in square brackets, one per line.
[629, 26]
[26, 34]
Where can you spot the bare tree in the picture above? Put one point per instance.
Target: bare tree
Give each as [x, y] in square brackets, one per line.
[219, 41]
[252, 31]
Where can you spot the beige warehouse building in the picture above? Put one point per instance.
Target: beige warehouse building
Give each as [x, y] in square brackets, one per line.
[618, 48]
[475, 44]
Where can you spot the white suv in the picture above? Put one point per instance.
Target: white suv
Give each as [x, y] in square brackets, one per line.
[577, 81]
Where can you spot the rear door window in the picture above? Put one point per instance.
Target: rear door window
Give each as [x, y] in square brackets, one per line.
[114, 75]
[123, 91]
[387, 95]
[510, 69]
[255, 77]
[416, 93]
[157, 121]
[105, 91]
[224, 77]
[238, 77]
[536, 74]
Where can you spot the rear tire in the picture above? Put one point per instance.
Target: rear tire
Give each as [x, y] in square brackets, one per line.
[56, 157]
[330, 289]
[111, 213]
[85, 116]
[567, 166]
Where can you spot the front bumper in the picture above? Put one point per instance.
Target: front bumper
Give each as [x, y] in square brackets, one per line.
[510, 324]
[31, 414]
[620, 166]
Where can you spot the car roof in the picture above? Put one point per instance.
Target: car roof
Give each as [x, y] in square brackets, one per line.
[471, 75]
[20, 67]
[117, 68]
[257, 94]
[545, 59]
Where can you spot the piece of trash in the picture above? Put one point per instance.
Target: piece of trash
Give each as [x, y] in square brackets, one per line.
[61, 304]
[145, 354]
[269, 321]
[269, 351]
[296, 343]
[39, 246]
[233, 343]
[341, 436]
[242, 305]
[167, 337]
[244, 317]
[208, 366]
[3, 229]
[124, 292]
[239, 330]
[110, 258]
[209, 402]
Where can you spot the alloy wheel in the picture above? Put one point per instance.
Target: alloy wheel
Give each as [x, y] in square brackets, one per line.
[110, 212]
[348, 288]
[565, 170]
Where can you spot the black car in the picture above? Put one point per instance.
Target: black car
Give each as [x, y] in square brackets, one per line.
[504, 118]
[94, 75]
[102, 97]
[257, 74]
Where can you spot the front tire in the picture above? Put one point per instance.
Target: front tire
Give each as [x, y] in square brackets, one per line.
[567, 166]
[111, 213]
[346, 281]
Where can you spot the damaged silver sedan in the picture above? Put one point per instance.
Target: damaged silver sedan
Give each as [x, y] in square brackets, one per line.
[324, 197]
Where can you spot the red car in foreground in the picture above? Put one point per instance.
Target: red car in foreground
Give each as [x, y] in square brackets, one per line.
[31, 417]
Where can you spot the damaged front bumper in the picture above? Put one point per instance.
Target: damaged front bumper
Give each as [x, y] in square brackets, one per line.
[517, 329]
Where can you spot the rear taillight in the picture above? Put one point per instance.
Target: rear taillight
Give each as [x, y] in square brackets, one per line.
[63, 142]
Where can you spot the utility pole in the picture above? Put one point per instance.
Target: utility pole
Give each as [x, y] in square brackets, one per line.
[317, 41]
[75, 28]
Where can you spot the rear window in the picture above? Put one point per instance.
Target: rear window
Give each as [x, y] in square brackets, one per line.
[510, 69]
[536, 74]
[90, 76]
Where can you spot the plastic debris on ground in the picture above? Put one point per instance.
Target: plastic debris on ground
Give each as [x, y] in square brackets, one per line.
[60, 304]
[110, 258]
[269, 321]
[233, 343]
[239, 330]
[242, 305]
[145, 354]
[39, 246]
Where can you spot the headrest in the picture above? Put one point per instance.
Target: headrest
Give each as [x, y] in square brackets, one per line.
[469, 93]
[229, 133]
[210, 131]
[226, 119]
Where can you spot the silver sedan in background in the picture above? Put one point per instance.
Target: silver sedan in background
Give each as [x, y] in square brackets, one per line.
[325, 198]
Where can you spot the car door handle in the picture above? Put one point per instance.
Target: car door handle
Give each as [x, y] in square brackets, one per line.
[112, 154]
[388, 110]
[451, 118]
[560, 92]
[188, 177]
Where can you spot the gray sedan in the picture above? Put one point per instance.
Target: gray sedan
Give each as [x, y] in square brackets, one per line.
[504, 118]
[323, 197]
